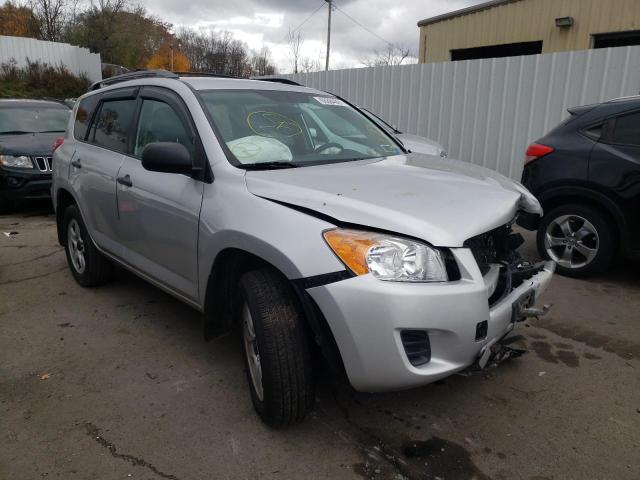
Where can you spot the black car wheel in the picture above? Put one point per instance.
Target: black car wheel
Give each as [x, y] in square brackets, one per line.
[578, 238]
[88, 266]
[276, 347]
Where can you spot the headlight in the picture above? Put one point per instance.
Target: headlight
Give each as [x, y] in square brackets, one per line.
[387, 257]
[16, 162]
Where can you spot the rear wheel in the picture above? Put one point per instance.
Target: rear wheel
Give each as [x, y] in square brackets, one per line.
[276, 348]
[88, 266]
[578, 238]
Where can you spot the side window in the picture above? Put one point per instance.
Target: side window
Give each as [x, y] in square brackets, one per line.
[626, 129]
[160, 123]
[594, 132]
[84, 113]
[111, 127]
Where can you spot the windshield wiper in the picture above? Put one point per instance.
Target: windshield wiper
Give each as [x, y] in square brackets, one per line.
[269, 165]
[14, 132]
[52, 131]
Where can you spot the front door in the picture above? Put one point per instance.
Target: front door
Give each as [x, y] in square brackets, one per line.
[159, 212]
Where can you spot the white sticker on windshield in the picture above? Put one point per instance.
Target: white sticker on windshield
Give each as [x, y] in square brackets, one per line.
[331, 101]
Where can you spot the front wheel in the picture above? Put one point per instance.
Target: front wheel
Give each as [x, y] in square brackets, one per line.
[578, 238]
[276, 347]
[88, 266]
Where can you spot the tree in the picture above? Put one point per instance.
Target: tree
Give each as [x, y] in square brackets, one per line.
[295, 41]
[169, 57]
[51, 16]
[17, 21]
[219, 52]
[393, 55]
[261, 63]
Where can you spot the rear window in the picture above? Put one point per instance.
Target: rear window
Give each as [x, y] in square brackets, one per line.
[111, 127]
[83, 116]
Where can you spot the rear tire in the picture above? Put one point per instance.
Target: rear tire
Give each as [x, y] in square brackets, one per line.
[89, 267]
[276, 346]
[579, 238]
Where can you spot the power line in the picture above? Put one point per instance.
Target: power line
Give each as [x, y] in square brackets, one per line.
[309, 17]
[361, 25]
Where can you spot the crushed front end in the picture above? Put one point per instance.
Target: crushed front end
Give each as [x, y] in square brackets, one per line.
[398, 335]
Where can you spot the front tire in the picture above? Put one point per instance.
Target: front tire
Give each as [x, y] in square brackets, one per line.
[578, 238]
[276, 348]
[88, 266]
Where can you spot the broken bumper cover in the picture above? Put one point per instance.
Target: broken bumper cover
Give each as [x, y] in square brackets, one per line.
[368, 317]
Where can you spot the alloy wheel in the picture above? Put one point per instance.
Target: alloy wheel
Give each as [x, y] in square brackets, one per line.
[571, 241]
[76, 247]
[251, 351]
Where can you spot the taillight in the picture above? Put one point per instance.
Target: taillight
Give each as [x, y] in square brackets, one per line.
[537, 150]
[59, 141]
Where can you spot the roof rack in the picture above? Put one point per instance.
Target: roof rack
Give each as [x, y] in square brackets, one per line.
[131, 76]
[286, 81]
[204, 74]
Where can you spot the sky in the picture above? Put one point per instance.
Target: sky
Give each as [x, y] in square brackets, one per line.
[266, 23]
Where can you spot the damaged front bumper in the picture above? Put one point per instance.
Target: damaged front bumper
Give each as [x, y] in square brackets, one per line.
[393, 336]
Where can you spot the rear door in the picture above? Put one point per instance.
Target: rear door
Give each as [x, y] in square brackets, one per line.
[615, 166]
[98, 157]
[159, 212]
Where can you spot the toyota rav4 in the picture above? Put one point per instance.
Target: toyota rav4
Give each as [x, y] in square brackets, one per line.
[287, 212]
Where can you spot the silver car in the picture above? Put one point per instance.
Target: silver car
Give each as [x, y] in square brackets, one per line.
[287, 212]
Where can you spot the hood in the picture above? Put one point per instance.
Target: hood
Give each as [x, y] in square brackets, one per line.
[28, 143]
[441, 201]
[419, 144]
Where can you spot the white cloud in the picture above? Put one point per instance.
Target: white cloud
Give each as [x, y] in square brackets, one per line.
[266, 23]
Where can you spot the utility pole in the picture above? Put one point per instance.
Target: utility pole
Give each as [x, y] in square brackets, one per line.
[171, 45]
[326, 66]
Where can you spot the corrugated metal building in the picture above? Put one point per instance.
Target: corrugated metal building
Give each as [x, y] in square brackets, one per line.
[502, 28]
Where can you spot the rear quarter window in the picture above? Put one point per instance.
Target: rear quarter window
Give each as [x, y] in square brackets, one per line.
[83, 116]
[626, 129]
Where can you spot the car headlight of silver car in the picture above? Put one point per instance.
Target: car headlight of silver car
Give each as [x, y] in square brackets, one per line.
[15, 161]
[387, 257]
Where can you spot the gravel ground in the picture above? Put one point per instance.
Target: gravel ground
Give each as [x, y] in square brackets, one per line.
[118, 383]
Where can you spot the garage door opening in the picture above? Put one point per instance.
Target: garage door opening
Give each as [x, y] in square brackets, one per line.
[616, 39]
[496, 51]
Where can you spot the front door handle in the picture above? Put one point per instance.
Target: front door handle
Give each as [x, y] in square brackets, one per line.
[126, 181]
[76, 163]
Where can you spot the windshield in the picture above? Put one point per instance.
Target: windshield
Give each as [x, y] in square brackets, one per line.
[17, 120]
[270, 128]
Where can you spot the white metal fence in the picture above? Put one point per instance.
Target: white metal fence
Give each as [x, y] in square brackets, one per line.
[76, 59]
[486, 111]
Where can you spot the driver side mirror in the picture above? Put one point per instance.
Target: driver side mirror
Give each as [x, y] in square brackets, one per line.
[167, 157]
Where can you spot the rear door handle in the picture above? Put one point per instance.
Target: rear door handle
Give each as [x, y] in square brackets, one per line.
[76, 163]
[126, 181]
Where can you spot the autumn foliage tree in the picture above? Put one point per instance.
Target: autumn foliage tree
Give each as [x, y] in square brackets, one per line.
[162, 59]
[17, 21]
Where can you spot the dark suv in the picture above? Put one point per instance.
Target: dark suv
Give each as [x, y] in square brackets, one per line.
[586, 175]
[28, 131]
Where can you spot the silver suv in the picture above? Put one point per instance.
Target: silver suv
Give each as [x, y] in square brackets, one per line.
[288, 213]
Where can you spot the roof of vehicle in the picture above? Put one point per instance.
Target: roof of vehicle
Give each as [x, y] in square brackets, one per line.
[32, 102]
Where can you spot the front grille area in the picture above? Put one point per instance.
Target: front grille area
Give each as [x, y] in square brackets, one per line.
[416, 346]
[500, 247]
[44, 164]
